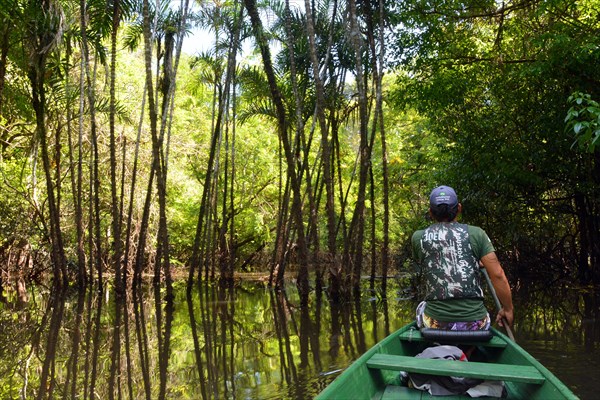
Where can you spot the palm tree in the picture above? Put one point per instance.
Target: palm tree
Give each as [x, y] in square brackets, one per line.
[44, 22]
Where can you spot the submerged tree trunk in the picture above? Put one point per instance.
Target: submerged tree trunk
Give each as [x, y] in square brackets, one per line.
[353, 251]
[115, 209]
[76, 171]
[385, 250]
[44, 27]
[377, 62]
[142, 240]
[226, 247]
[302, 277]
[334, 267]
[94, 236]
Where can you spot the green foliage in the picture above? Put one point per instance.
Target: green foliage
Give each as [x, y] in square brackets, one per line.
[492, 86]
[476, 100]
[18, 204]
[583, 120]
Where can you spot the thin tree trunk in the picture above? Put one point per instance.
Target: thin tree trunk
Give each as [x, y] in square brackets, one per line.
[302, 277]
[226, 265]
[201, 227]
[41, 44]
[325, 146]
[353, 252]
[302, 145]
[162, 261]
[140, 257]
[132, 189]
[278, 263]
[377, 61]
[78, 192]
[385, 250]
[373, 229]
[76, 176]
[232, 211]
[4, 47]
[94, 169]
[115, 209]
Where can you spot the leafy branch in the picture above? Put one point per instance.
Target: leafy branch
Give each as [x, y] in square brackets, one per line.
[583, 119]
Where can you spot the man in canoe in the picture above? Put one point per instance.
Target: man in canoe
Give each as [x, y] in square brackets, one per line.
[449, 255]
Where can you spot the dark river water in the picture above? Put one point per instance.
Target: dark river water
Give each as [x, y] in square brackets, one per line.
[246, 342]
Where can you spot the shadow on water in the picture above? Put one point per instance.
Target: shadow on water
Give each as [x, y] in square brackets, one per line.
[242, 342]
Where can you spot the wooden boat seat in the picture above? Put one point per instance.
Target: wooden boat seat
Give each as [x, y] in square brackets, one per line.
[415, 335]
[479, 370]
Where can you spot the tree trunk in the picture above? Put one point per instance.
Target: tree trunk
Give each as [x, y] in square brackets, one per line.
[334, 268]
[353, 252]
[377, 61]
[140, 257]
[226, 259]
[4, 47]
[94, 241]
[115, 209]
[42, 42]
[76, 172]
[302, 277]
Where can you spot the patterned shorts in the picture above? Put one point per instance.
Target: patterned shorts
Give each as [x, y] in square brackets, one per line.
[425, 321]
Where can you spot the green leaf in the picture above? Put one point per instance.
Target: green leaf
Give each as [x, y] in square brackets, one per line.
[593, 109]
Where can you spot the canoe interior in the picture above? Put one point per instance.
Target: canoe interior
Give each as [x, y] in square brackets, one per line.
[379, 377]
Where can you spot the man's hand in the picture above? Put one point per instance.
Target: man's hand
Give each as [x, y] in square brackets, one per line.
[505, 316]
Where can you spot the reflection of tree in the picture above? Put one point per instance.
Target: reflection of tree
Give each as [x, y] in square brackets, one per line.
[207, 297]
[196, 340]
[214, 339]
[559, 313]
[96, 339]
[47, 382]
[164, 336]
[73, 363]
[375, 314]
[142, 337]
[246, 341]
[281, 316]
[350, 325]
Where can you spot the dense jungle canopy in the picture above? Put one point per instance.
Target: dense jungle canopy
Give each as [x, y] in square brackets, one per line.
[303, 141]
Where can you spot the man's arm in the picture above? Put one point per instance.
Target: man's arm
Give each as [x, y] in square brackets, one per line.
[494, 269]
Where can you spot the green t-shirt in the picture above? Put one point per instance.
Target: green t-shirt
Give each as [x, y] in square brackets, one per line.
[456, 308]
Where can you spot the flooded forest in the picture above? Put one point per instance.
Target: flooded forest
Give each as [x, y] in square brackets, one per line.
[216, 199]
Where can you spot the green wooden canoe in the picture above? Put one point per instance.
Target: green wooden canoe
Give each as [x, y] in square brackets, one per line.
[376, 374]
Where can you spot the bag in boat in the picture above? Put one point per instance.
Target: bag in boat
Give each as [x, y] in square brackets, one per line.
[443, 385]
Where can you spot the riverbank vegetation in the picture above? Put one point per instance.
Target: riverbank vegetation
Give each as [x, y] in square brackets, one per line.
[303, 143]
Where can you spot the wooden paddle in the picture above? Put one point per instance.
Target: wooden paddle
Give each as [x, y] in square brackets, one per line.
[498, 305]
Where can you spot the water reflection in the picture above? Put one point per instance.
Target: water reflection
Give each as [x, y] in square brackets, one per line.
[243, 342]
[560, 326]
